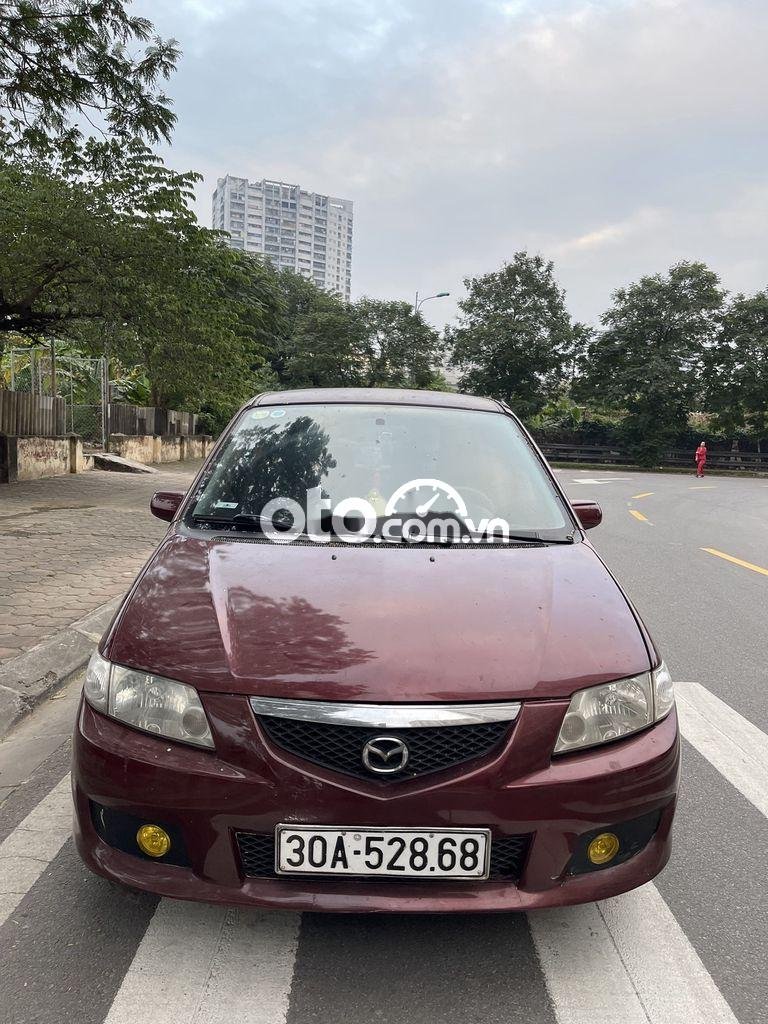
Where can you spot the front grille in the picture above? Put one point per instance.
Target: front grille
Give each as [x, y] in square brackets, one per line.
[340, 747]
[508, 856]
[257, 856]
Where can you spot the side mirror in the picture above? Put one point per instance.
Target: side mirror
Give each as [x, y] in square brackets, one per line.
[165, 504]
[588, 513]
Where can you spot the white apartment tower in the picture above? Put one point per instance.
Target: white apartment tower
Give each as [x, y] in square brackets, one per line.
[304, 231]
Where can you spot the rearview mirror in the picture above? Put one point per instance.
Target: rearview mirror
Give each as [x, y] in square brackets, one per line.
[588, 513]
[165, 504]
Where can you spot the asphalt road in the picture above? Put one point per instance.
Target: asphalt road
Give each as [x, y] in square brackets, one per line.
[690, 948]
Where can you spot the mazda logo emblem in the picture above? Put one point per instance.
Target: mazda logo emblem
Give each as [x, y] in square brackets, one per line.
[385, 755]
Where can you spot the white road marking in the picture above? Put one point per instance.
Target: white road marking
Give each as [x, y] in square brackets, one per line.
[582, 968]
[736, 747]
[594, 480]
[624, 959]
[32, 845]
[210, 965]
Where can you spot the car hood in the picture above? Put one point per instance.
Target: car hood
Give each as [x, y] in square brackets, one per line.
[372, 624]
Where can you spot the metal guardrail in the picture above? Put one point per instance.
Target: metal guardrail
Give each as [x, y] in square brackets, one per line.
[606, 455]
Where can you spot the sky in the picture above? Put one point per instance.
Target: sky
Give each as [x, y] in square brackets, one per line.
[615, 137]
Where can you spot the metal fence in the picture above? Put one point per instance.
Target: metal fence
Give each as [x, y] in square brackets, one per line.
[25, 414]
[80, 382]
[605, 455]
[71, 395]
[138, 419]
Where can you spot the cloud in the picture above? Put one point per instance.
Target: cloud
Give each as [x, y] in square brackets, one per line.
[615, 136]
[640, 224]
[206, 11]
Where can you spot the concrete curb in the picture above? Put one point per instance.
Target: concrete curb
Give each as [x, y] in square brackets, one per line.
[27, 679]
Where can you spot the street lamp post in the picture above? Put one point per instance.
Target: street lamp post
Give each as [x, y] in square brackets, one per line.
[419, 302]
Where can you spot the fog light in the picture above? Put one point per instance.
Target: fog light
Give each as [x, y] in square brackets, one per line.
[603, 848]
[153, 840]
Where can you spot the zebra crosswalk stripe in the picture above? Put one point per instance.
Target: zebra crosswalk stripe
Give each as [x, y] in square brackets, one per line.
[736, 747]
[624, 959]
[30, 848]
[210, 965]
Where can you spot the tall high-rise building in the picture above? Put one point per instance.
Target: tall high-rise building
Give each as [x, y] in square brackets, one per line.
[304, 231]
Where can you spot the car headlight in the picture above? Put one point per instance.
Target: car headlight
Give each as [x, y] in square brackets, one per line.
[610, 711]
[156, 705]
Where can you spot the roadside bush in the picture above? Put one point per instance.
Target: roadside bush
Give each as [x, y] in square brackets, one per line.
[614, 432]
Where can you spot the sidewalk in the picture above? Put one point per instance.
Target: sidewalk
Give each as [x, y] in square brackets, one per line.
[68, 544]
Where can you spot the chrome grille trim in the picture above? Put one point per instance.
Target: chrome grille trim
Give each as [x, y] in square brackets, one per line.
[386, 716]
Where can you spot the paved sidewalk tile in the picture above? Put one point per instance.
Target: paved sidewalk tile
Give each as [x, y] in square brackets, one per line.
[69, 544]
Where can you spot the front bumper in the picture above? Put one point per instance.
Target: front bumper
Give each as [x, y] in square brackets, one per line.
[249, 786]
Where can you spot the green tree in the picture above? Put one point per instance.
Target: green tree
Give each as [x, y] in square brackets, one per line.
[648, 358]
[300, 299]
[401, 349]
[197, 328]
[577, 350]
[327, 348]
[69, 243]
[123, 267]
[514, 334]
[65, 62]
[324, 342]
[736, 367]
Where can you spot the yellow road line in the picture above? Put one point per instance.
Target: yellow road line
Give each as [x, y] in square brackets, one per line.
[645, 494]
[638, 515]
[736, 561]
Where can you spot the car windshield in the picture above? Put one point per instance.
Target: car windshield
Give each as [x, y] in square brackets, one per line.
[402, 460]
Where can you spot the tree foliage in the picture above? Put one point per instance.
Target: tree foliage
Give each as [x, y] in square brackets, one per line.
[300, 300]
[137, 278]
[325, 348]
[65, 62]
[201, 328]
[736, 367]
[401, 350]
[371, 343]
[72, 245]
[514, 334]
[649, 357]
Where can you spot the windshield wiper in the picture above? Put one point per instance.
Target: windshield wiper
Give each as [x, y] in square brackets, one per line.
[244, 520]
[510, 538]
[536, 538]
[236, 522]
[477, 539]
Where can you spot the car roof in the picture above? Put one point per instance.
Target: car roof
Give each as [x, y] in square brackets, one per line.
[376, 396]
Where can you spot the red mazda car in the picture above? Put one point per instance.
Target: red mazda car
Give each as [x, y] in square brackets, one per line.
[375, 665]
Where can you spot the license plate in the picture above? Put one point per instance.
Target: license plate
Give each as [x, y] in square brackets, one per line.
[382, 852]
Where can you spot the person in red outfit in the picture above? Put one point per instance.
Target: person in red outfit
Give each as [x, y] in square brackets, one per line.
[701, 458]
